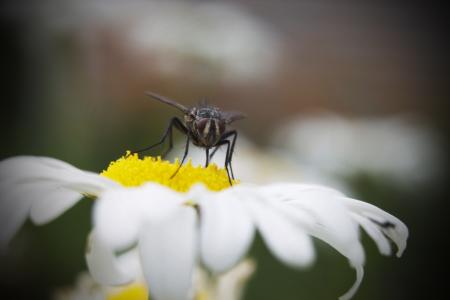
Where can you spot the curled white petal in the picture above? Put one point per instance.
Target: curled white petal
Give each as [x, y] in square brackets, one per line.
[391, 226]
[102, 263]
[321, 214]
[359, 277]
[168, 249]
[119, 213]
[375, 233]
[226, 230]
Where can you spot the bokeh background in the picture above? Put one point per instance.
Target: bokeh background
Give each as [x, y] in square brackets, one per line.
[349, 93]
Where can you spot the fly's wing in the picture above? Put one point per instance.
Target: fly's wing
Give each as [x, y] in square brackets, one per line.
[168, 101]
[231, 116]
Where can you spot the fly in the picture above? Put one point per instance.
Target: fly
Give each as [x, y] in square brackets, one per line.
[203, 125]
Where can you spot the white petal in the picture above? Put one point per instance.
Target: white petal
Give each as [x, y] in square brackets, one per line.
[45, 186]
[19, 167]
[329, 219]
[119, 213]
[292, 191]
[87, 182]
[14, 210]
[50, 202]
[226, 230]
[287, 241]
[391, 226]
[319, 202]
[168, 249]
[130, 262]
[26, 169]
[102, 263]
[22, 168]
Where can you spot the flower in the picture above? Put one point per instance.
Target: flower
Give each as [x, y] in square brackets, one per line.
[227, 286]
[330, 147]
[194, 218]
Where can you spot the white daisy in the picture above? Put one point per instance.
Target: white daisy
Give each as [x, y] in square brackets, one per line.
[194, 218]
[330, 147]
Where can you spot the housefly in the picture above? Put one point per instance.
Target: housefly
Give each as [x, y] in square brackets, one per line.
[205, 126]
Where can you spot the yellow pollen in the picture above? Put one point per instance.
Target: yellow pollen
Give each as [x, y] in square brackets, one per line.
[201, 295]
[130, 170]
[138, 291]
[135, 291]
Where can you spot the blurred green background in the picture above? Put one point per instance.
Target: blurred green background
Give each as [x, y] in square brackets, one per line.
[74, 74]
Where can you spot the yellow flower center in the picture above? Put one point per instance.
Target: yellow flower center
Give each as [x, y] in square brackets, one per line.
[130, 170]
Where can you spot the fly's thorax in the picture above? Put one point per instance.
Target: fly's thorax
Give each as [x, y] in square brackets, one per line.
[205, 124]
[208, 131]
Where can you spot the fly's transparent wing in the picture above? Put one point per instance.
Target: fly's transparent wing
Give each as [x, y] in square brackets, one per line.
[231, 116]
[168, 101]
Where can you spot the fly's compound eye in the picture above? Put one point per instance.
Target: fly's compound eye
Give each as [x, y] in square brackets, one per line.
[222, 127]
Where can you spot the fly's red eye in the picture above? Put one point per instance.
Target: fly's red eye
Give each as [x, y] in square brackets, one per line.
[221, 126]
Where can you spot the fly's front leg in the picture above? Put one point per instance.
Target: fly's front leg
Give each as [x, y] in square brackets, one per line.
[186, 150]
[174, 122]
[178, 125]
[214, 152]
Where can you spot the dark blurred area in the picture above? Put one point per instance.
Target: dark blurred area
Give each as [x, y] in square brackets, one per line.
[73, 80]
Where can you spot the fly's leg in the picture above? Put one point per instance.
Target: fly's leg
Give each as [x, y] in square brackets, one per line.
[230, 155]
[186, 150]
[174, 122]
[221, 143]
[213, 152]
[207, 157]
[230, 148]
